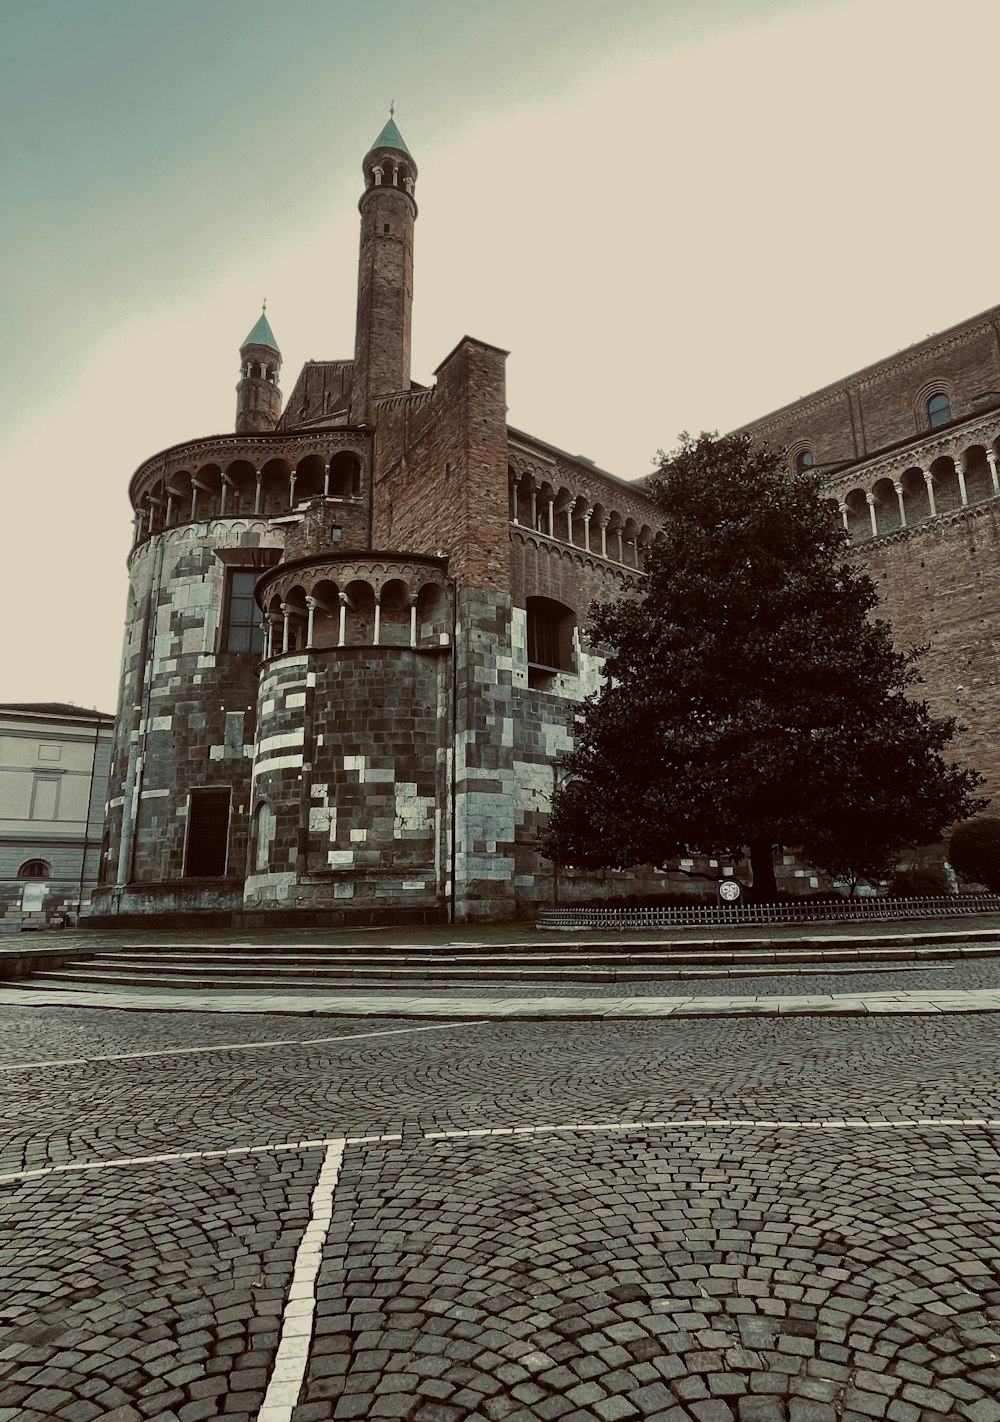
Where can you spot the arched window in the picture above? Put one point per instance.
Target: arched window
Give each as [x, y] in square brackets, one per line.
[803, 461]
[938, 410]
[34, 869]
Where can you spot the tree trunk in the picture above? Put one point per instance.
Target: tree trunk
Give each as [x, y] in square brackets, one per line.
[765, 886]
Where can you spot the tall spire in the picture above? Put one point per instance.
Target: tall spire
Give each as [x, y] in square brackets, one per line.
[262, 335]
[390, 137]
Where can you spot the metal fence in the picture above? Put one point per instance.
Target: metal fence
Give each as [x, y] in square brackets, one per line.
[863, 910]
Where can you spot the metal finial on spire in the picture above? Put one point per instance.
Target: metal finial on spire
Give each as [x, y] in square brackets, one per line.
[264, 304]
[392, 108]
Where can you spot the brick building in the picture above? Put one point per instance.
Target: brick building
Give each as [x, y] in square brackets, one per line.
[353, 639]
[908, 449]
[54, 763]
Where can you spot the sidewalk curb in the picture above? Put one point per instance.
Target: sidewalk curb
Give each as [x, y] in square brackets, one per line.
[520, 1011]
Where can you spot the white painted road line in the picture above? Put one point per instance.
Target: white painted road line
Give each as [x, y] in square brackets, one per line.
[682, 1123]
[297, 1321]
[70, 1166]
[234, 1046]
[579, 1128]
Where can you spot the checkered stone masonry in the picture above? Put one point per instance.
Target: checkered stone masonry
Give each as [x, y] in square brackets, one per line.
[352, 763]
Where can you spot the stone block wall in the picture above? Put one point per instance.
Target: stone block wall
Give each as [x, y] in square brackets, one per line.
[186, 710]
[353, 762]
[485, 782]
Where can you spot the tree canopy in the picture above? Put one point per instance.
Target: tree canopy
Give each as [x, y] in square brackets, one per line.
[751, 699]
[974, 852]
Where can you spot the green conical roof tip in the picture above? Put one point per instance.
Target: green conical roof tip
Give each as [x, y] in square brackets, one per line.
[262, 335]
[390, 137]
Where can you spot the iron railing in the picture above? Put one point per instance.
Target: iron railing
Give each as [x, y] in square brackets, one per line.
[868, 909]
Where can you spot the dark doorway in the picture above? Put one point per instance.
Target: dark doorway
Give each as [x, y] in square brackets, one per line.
[208, 834]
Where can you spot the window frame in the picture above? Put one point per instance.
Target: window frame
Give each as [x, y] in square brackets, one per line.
[229, 597]
[28, 865]
[45, 777]
[934, 399]
[559, 634]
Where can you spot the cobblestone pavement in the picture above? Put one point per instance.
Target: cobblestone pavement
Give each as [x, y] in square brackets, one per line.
[733, 1220]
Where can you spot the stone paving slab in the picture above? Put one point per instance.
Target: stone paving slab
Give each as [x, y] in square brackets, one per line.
[496, 1006]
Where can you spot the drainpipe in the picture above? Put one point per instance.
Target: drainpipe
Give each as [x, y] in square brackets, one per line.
[453, 816]
[86, 826]
[305, 778]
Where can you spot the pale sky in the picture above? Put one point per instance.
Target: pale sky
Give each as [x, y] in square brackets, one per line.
[675, 214]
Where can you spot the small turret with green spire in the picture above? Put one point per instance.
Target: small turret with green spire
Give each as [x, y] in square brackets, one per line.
[262, 335]
[388, 162]
[258, 399]
[390, 137]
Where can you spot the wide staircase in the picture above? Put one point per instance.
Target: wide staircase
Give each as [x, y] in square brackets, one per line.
[319, 968]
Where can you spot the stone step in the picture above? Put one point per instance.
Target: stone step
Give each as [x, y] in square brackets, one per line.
[207, 975]
[590, 955]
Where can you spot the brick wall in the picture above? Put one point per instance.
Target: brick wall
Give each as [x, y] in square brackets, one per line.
[385, 296]
[441, 469]
[885, 403]
[938, 584]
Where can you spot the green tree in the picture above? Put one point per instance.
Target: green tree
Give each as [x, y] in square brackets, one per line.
[750, 699]
[974, 852]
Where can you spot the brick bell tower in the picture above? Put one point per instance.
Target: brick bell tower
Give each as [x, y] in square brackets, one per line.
[258, 399]
[385, 273]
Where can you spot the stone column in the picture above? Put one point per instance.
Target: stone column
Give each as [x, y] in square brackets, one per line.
[552, 518]
[265, 637]
[326, 480]
[603, 525]
[513, 501]
[621, 544]
[257, 493]
[960, 471]
[569, 523]
[870, 501]
[273, 622]
[342, 634]
[286, 615]
[929, 481]
[291, 489]
[413, 621]
[991, 460]
[311, 605]
[222, 497]
[845, 516]
[378, 623]
[586, 528]
[902, 507]
[534, 509]
[194, 500]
